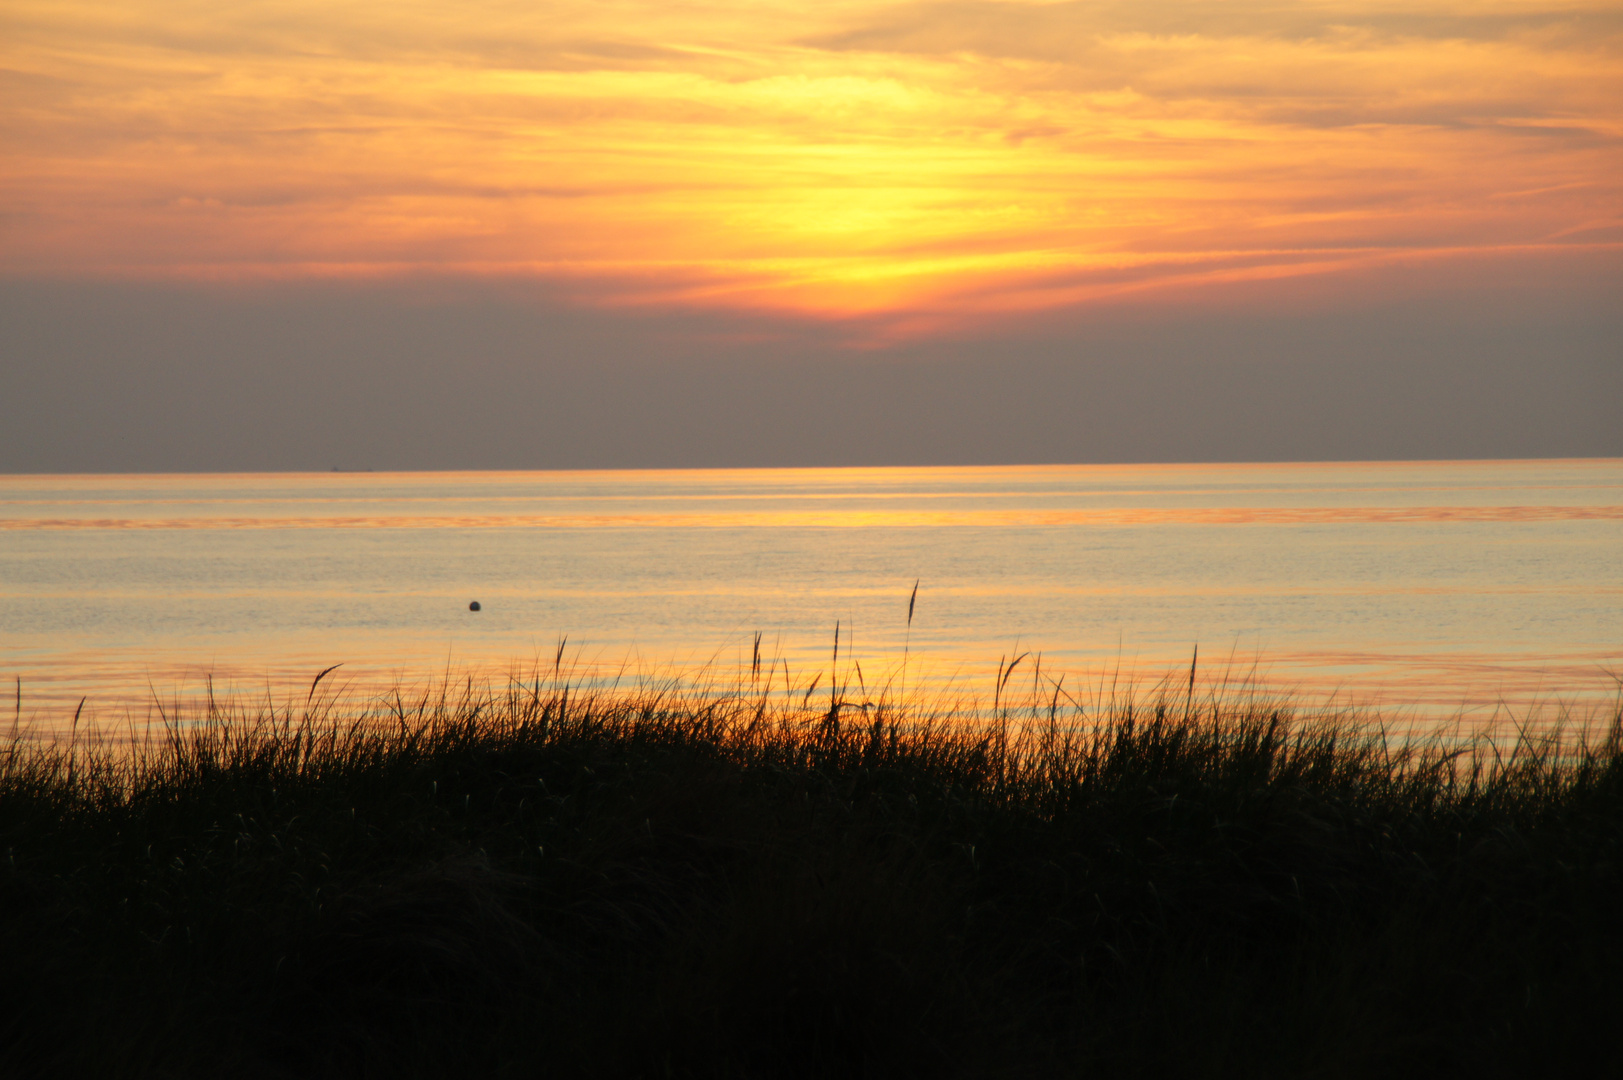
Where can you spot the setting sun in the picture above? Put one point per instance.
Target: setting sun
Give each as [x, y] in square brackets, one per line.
[837, 159]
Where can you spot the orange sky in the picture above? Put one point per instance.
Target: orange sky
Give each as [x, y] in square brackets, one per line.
[834, 158]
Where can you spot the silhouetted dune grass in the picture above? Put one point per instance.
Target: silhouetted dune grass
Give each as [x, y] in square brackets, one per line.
[732, 882]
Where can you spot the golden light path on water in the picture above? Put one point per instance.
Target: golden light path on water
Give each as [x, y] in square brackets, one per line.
[1423, 588]
[861, 519]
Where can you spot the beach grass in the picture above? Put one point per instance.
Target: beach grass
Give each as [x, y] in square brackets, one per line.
[705, 878]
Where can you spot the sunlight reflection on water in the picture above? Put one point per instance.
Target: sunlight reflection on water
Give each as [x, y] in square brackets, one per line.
[1430, 585]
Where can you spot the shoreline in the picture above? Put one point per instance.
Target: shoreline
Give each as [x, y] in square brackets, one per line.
[1429, 690]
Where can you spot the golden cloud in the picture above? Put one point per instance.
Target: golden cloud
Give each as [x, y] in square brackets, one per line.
[856, 158]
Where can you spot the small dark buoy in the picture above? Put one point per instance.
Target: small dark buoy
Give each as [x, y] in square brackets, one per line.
[474, 606]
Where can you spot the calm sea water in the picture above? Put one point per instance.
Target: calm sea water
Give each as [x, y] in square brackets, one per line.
[1428, 585]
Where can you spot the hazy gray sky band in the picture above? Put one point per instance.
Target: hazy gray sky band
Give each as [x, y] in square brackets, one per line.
[427, 373]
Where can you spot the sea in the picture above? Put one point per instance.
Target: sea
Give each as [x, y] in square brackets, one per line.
[1456, 589]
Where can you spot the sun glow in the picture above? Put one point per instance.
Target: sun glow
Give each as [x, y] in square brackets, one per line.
[836, 159]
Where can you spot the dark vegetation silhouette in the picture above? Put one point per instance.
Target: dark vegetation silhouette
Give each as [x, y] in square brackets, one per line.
[545, 878]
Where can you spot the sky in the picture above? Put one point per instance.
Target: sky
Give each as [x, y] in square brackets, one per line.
[291, 235]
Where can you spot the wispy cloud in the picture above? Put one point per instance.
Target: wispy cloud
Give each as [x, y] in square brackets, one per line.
[849, 158]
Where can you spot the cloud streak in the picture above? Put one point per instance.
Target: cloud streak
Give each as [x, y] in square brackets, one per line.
[921, 162]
